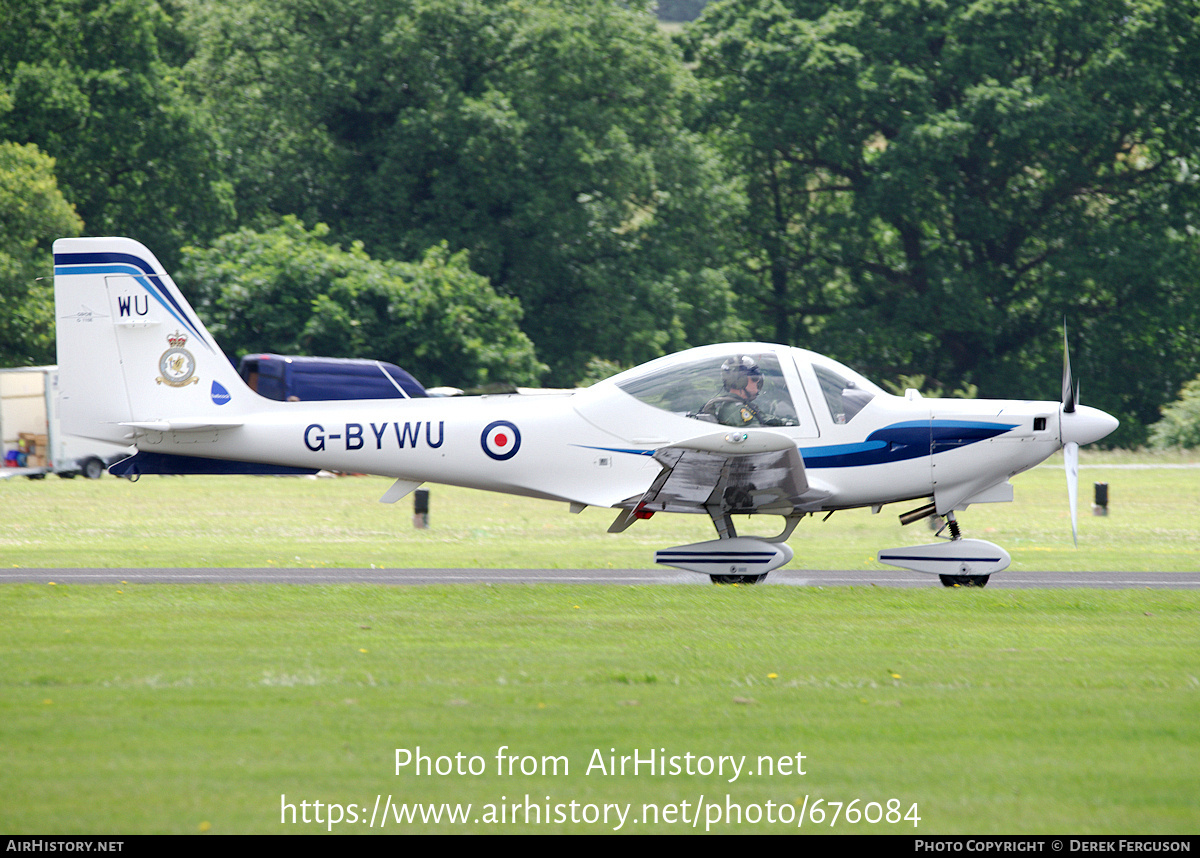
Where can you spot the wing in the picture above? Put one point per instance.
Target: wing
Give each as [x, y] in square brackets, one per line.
[730, 474]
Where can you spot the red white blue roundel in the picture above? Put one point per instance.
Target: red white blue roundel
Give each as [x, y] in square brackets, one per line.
[501, 440]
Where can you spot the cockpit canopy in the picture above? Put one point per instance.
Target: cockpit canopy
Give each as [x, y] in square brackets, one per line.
[702, 384]
[696, 388]
[844, 396]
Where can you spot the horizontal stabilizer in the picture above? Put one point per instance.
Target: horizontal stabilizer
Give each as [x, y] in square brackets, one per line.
[182, 425]
[953, 557]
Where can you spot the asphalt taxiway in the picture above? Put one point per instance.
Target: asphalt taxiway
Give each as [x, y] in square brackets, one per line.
[643, 577]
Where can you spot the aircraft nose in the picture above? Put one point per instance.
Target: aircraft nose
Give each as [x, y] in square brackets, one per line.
[1085, 425]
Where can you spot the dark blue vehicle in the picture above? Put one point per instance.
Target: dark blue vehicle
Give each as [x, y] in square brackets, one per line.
[320, 379]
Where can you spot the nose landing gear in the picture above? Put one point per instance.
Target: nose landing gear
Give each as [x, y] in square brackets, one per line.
[956, 561]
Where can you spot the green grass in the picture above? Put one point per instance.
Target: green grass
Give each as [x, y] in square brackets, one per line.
[183, 708]
[177, 709]
[288, 522]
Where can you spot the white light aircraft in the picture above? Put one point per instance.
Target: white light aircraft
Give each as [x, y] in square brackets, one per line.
[722, 430]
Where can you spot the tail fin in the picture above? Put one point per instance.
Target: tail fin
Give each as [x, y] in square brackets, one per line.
[132, 354]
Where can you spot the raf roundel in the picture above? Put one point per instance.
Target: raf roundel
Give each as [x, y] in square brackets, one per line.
[501, 440]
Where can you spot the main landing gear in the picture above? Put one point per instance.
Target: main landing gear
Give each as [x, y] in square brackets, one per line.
[956, 561]
[732, 559]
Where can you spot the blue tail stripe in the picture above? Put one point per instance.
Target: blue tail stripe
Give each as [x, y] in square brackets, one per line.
[142, 272]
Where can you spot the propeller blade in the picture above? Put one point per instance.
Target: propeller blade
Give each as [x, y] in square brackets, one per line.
[1068, 388]
[1071, 461]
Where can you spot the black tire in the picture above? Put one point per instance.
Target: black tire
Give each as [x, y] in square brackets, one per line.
[738, 579]
[964, 580]
[92, 468]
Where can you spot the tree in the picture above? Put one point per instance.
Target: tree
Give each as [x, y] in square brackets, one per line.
[934, 186]
[679, 10]
[289, 290]
[32, 213]
[547, 139]
[1180, 424]
[91, 87]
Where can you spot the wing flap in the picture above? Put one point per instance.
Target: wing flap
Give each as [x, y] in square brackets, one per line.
[714, 475]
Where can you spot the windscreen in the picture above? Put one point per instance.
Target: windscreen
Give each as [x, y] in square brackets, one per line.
[734, 389]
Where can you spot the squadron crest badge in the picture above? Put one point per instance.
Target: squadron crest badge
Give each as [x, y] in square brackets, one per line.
[177, 365]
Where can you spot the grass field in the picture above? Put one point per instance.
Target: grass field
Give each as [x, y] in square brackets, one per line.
[1153, 525]
[183, 709]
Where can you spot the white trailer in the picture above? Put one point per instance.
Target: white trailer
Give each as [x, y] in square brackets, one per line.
[33, 444]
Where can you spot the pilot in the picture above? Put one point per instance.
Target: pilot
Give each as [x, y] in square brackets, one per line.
[743, 382]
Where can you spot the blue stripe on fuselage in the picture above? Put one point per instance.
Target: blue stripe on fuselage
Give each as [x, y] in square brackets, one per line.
[902, 441]
[896, 443]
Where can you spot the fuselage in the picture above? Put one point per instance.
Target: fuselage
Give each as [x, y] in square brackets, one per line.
[860, 445]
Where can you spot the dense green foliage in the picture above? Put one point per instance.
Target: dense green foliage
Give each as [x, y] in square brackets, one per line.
[914, 187]
[679, 10]
[291, 288]
[32, 213]
[1180, 424]
[546, 138]
[94, 83]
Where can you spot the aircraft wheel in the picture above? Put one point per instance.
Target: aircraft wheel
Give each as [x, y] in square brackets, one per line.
[737, 579]
[964, 580]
